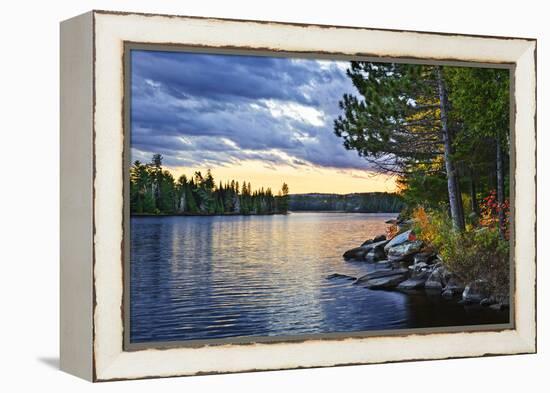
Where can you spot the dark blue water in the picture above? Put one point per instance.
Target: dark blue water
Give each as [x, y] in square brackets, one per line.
[234, 276]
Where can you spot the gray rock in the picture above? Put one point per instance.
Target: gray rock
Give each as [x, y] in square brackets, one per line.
[404, 251]
[338, 275]
[437, 279]
[433, 285]
[357, 253]
[376, 245]
[384, 264]
[454, 287]
[423, 257]
[499, 307]
[385, 282]
[475, 292]
[423, 273]
[376, 239]
[418, 267]
[405, 264]
[375, 254]
[369, 241]
[447, 294]
[413, 283]
[383, 273]
[488, 301]
[398, 239]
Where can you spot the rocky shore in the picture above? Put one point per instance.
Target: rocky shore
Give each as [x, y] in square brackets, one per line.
[403, 263]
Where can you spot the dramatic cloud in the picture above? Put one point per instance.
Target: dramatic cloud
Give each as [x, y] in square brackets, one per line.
[207, 110]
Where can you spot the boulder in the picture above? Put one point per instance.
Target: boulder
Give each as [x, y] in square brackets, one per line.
[368, 241]
[488, 301]
[375, 254]
[404, 251]
[400, 264]
[398, 239]
[447, 294]
[438, 278]
[384, 264]
[360, 253]
[475, 292]
[418, 267]
[376, 239]
[424, 257]
[383, 273]
[499, 307]
[338, 275]
[357, 253]
[376, 245]
[417, 282]
[453, 288]
[417, 279]
[385, 282]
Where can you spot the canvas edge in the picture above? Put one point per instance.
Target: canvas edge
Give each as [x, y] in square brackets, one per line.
[526, 337]
[76, 179]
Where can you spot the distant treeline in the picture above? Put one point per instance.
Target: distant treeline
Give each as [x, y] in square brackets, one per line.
[153, 190]
[372, 202]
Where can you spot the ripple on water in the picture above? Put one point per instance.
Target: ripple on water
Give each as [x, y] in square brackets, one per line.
[217, 277]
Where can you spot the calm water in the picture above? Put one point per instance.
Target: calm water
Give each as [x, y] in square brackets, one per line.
[213, 277]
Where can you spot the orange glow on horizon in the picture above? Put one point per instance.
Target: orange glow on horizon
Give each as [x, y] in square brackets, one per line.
[300, 180]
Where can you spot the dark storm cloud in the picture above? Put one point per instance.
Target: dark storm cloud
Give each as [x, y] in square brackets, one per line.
[199, 110]
[218, 77]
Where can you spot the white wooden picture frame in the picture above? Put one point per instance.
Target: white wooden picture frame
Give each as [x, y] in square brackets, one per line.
[92, 194]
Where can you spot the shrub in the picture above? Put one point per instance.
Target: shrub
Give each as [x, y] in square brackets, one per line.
[477, 253]
[490, 209]
[391, 231]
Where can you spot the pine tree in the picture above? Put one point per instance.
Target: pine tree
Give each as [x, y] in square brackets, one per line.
[153, 190]
[400, 123]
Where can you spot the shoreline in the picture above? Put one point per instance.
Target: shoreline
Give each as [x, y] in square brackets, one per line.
[403, 264]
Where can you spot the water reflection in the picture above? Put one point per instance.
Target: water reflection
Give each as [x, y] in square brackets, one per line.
[213, 277]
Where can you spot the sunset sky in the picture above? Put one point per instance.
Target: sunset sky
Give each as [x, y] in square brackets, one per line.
[261, 119]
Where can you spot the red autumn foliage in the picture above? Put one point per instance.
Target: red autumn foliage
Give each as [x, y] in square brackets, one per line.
[490, 209]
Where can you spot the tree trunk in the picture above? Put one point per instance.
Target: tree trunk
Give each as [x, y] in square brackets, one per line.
[473, 192]
[455, 199]
[500, 187]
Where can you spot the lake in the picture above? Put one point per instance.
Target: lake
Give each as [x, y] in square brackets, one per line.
[214, 277]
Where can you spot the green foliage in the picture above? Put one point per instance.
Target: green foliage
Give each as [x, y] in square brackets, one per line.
[420, 189]
[283, 198]
[154, 191]
[481, 101]
[394, 122]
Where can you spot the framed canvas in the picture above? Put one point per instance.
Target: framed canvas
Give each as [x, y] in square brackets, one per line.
[247, 195]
